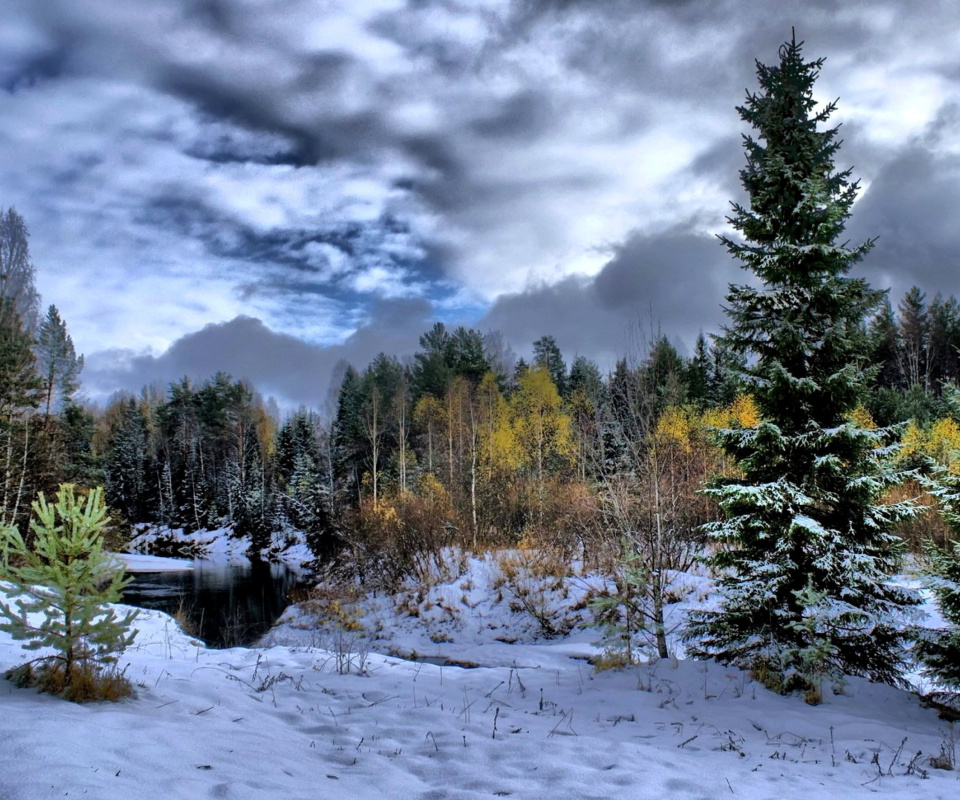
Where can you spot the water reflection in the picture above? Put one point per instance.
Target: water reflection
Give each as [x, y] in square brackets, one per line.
[223, 604]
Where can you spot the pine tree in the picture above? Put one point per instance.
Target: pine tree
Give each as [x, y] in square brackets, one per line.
[68, 579]
[126, 462]
[804, 538]
[885, 346]
[18, 292]
[915, 338]
[57, 362]
[698, 372]
[546, 354]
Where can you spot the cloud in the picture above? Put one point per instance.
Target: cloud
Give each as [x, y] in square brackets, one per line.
[277, 364]
[183, 163]
[672, 283]
[912, 207]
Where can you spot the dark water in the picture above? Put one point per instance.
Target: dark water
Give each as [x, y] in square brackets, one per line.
[225, 604]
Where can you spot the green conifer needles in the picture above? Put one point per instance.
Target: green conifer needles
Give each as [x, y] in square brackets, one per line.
[805, 546]
[60, 588]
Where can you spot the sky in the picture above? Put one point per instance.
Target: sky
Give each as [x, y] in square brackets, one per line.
[269, 187]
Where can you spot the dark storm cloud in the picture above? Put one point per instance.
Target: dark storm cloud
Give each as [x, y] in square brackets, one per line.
[276, 364]
[44, 64]
[526, 114]
[912, 207]
[672, 283]
[316, 138]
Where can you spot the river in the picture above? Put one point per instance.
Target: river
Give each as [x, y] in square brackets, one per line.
[224, 604]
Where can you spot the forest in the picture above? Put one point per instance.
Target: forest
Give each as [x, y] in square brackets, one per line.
[461, 443]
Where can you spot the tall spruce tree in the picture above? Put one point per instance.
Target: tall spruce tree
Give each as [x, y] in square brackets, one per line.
[58, 364]
[805, 547]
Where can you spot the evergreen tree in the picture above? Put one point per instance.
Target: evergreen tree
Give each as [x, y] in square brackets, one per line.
[348, 445]
[80, 465]
[944, 336]
[19, 392]
[18, 292]
[805, 545]
[884, 337]
[939, 650]
[726, 370]
[68, 578]
[126, 462]
[546, 354]
[432, 371]
[57, 363]
[698, 372]
[19, 383]
[467, 355]
[585, 377]
[304, 487]
[662, 375]
[914, 338]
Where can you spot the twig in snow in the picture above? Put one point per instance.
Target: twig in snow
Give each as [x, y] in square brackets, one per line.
[896, 756]
[569, 721]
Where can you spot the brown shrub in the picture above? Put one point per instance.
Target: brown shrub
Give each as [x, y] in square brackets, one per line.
[85, 682]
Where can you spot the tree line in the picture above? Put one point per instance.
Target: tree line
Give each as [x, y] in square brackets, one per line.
[494, 446]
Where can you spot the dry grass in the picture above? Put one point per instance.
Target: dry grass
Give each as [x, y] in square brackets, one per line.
[532, 576]
[927, 526]
[85, 681]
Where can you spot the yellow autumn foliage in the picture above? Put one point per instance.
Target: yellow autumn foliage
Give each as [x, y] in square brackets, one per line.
[941, 442]
[542, 429]
[744, 412]
[944, 442]
[676, 426]
[741, 413]
[862, 418]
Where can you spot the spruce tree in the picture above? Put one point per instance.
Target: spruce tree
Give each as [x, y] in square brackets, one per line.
[938, 651]
[804, 549]
[57, 362]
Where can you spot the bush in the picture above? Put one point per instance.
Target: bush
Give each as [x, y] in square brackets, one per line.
[67, 578]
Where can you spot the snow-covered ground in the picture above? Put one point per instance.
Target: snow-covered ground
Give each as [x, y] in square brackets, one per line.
[137, 562]
[219, 544]
[532, 720]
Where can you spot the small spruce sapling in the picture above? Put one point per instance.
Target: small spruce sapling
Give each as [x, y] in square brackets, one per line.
[622, 615]
[61, 588]
[814, 655]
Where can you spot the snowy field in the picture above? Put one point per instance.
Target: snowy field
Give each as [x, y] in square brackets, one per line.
[532, 719]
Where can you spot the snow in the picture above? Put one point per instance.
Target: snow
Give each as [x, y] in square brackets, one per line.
[531, 720]
[219, 544]
[137, 562]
